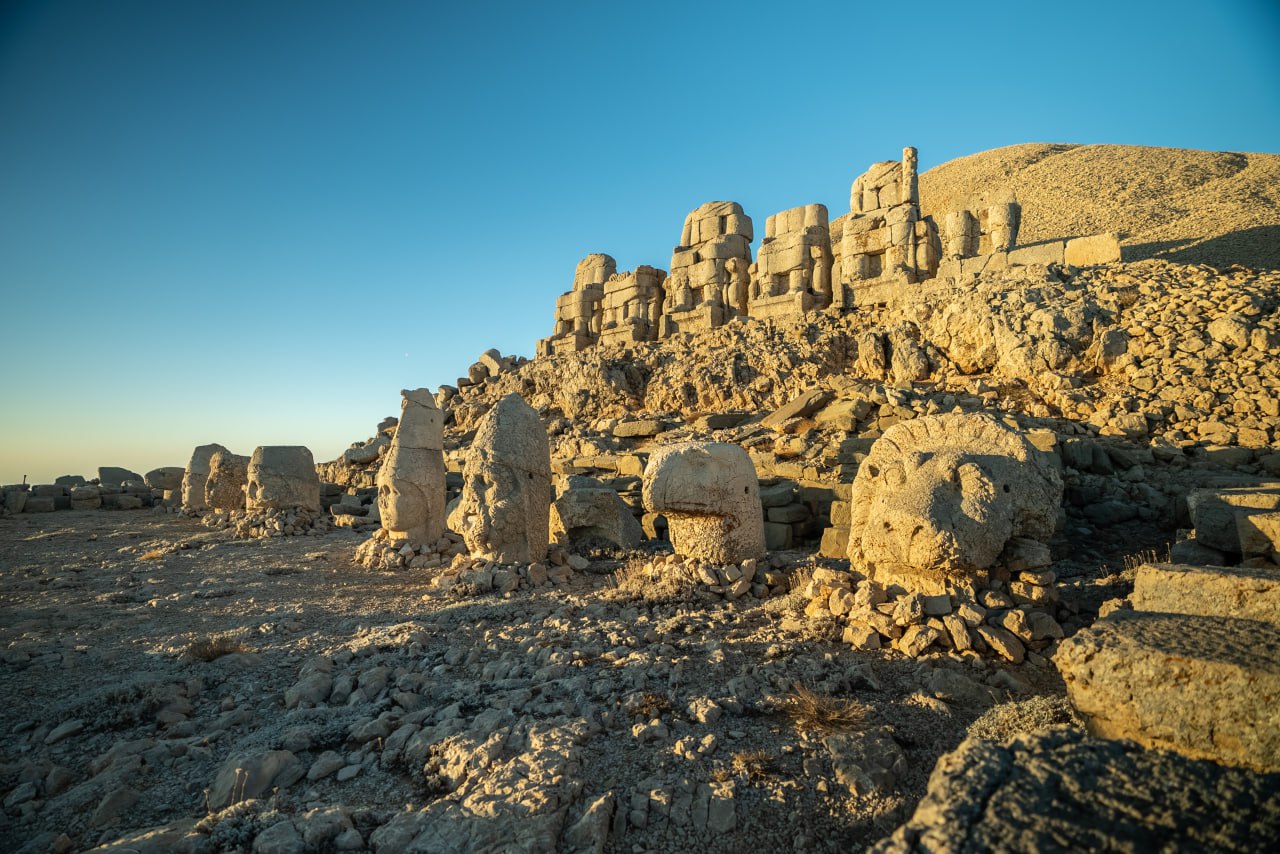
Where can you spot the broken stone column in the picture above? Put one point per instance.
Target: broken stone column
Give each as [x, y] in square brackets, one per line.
[710, 496]
[939, 498]
[224, 490]
[197, 473]
[504, 511]
[411, 489]
[282, 477]
[713, 234]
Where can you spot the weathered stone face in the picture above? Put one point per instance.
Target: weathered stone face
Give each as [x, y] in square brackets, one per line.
[588, 509]
[193, 482]
[577, 321]
[938, 499]
[411, 489]
[504, 511]
[281, 477]
[709, 494]
[714, 254]
[228, 476]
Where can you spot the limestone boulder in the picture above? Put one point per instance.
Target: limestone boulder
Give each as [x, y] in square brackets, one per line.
[411, 482]
[280, 477]
[228, 480]
[1245, 592]
[166, 477]
[504, 510]
[938, 498]
[587, 509]
[1062, 790]
[710, 496]
[1207, 687]
[15, 499]
[114, 476]
[197, 473]
[1214, 513]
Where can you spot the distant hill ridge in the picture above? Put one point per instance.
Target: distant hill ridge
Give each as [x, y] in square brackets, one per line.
[1193, 207]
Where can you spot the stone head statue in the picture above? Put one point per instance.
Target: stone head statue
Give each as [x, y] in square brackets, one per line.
[938, 498]
[411, 489]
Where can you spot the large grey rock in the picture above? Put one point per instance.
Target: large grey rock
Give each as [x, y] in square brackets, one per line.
[15, 499]
[411, 489]
[1063, 790]
[505, 507]
[938, 499]
[282, 476]
[710, 496]
[166, 477]
[114, 476]
[247, 776]
[70, 480]
[228, 479]
[1208, 687]
[197, 473]
[589, 509]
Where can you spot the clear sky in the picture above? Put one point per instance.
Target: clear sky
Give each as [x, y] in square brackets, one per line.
[255, 222]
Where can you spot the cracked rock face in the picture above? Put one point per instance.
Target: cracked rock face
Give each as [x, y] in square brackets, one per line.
[505, 509]
[940, 497]
[709, 494]
[411, 488]
[197, 474]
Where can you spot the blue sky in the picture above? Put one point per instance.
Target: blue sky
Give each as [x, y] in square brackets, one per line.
[255, 222]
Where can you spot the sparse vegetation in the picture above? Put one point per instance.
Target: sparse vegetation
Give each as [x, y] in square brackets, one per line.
[212, 647]
[653, 583]
[1137, 559]
[812, 712]
[153, 554]
[751, 764]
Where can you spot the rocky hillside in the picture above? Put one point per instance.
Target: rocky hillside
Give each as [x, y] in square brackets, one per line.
[1193, 207]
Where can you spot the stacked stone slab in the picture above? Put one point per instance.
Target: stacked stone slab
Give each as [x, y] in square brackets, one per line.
[792, 273]
[632, 306]
[577, 319]
[710, 269]
[504, 510]
[710, 496]
[197, 473]
[883, 240]
[588, 510]
[1237, 524]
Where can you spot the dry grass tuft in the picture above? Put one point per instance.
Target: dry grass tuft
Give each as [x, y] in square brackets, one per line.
[650, 705]
[213, 647]
[1133, 561]
[798, 580]
[811, 712]
[752, 764]
[639, 578]
[154, 554]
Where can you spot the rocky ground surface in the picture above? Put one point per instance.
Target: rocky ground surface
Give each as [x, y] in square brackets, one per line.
[267, 695]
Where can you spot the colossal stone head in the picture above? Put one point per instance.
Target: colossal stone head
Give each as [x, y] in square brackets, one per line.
[504, 511]
[709, 493]
[411, 489]
[938, 499]
[280, 477]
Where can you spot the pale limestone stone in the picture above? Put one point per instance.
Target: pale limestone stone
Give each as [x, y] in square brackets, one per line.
[504, 511]
[224, 489]
[587, 509]
[167, 477]
[631, 306]
[938, 498]
[193, 481]
[1248, 593]
[411, 487]
[1207, 687]
[792, 273]
[707, 269]
[709, 494]
[578, 311]
[282, 477]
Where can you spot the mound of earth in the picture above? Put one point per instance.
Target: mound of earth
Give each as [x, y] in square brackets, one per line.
[1194, 207]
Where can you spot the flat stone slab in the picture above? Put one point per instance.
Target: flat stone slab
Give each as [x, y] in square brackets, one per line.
[1206, 687]
[1248, 593]
[1063, 790]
